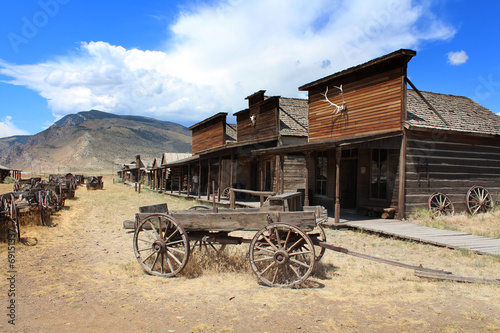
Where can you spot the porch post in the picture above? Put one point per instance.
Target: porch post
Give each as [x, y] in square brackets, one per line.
[231, 181]
[169, 173]
[306, 189]
[338, 155]
[261, 170]
[188, 189]
[180, 181]
[282, 175]
[208, 180]
[402, 178]
[220, 179]
[199, 180]
[276, 174]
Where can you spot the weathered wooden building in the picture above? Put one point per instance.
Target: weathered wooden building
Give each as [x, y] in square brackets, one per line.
[222, 152]
[133, 171]
[9, 172]
[374, 144]
[158, 172]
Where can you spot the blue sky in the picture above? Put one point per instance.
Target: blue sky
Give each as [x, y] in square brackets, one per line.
[184, 61]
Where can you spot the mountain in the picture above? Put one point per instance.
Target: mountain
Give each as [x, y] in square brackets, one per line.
[94, 140]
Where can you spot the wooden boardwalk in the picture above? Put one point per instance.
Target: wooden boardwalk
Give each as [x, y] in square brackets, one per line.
[446, 238]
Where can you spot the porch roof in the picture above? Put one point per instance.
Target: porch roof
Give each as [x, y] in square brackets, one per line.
[181, 162]
[308, 147]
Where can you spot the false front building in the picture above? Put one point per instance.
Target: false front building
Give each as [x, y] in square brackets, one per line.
[378, 145]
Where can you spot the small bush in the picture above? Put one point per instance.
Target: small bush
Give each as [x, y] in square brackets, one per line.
[9, 180]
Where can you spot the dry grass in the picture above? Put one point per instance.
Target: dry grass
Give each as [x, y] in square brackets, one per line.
[486, 224]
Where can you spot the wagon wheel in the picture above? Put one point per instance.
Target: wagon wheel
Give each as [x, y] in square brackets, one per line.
[441, 204]
[42, 207]
[14, 217]
[8, 207]
[161, 251]
[318, 250]
[478, 200]
[226, 191]
[61, 197]
[282, 255]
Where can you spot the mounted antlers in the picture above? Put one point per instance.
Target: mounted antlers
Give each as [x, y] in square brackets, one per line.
[337, 108]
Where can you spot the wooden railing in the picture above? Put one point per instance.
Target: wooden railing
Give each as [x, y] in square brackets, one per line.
[260, 194]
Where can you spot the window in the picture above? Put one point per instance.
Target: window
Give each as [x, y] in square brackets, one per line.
[321, 172]
[378, 183]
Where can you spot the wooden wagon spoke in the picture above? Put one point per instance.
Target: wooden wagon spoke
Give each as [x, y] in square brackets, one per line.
[156, 260]
[160, 232]
[145, 249]
[172, 235]
[299, 253]
[263, 259]
[277, 233]
[299, 263]
[174, 249]
[270, 243]
[170, 264]
[148, 233]
[295, 271]
[287, 238]
[147, 258]
[267, 268]
[171, 255]
[275, 275]
[263, 249]
[295, 244]
[153, 227]
[161, 262]
[145, 240]
[174, 243]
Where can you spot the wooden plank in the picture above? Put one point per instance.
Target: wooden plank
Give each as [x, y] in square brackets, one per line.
[440, 237]
[233, 220]
[438, 276]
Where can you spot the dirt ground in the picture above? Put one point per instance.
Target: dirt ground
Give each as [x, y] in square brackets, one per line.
[81, 276]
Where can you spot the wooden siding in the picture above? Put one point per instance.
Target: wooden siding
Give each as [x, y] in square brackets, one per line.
[209, 136]
[373, 106]
[266, 126]
[450, 164]
[294, 173]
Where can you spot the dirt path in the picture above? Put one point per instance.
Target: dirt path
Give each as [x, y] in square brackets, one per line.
[82, 277]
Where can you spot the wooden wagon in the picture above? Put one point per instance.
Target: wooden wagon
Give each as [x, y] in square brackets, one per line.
[95, 183]
[282, 252]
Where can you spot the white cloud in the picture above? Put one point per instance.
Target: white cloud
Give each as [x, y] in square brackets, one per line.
[457, 58]
[7, 128]
[221, 53]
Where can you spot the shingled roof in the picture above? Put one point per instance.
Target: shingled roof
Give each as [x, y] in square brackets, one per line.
[461, 113]
[294, 119]
[231, 133]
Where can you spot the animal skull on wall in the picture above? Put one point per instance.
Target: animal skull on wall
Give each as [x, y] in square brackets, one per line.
[253, 119]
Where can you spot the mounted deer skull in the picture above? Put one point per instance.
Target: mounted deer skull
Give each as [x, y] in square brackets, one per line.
[337, 108]
[253, 119]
